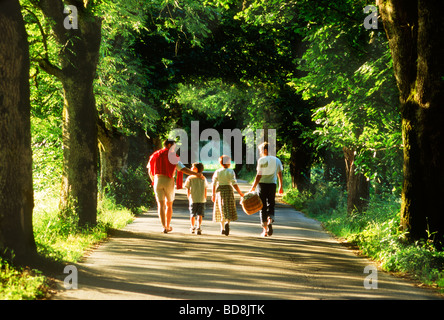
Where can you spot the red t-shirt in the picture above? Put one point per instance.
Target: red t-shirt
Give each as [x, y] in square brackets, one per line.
[164, 162]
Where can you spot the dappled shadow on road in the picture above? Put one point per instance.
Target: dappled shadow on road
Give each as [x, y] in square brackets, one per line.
[300, 261]
[173, 266]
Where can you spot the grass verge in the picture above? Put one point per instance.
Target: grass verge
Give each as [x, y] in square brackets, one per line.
[59, 241]
[376, 233]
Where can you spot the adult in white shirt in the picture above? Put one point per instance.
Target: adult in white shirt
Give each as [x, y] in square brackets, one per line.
[269, 172]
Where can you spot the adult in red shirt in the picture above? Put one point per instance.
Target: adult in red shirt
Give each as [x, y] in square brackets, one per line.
[162, 167]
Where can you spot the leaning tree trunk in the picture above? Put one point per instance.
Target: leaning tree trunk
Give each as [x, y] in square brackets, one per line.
[415, 31]
[358, 187]
[16, 191]
[78, 64]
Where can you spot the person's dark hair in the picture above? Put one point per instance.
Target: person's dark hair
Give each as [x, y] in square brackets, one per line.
[168, 141]
[224, 160]
[199, 166]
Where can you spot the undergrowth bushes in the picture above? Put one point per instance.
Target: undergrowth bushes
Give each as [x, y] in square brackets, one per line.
[131, 190]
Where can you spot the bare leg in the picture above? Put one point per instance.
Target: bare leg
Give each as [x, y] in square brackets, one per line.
[192, 222]
[161, 207]
[169, 215]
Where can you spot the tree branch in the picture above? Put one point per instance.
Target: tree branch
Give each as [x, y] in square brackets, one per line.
[53, 9]
[44, 36]
[48, 67]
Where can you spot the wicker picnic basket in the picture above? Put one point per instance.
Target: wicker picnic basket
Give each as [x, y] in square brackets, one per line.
[251, 203]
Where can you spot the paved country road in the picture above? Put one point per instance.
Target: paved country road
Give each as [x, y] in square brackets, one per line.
[299, 262]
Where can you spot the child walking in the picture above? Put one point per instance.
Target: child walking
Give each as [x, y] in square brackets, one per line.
[197, 197]
[224, 180]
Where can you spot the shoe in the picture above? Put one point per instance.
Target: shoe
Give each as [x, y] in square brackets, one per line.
[164, 230]
[264, 234]
[192, 229]
[199, 231]
[222, 231]
[227, 229]
[270, 229]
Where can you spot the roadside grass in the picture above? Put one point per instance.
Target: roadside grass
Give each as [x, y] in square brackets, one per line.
[61, 240]
[20, 284]
[57, 240]
[376, 233]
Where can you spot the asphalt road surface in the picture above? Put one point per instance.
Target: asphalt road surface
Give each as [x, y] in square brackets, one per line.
[299, 262]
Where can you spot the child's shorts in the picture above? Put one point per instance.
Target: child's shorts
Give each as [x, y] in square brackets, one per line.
[197, 209]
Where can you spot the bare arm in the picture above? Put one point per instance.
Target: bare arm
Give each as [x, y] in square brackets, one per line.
[213, 197]
[256, 182]
[192, 173]
[149, 173]
[235, 186]
[281, 185]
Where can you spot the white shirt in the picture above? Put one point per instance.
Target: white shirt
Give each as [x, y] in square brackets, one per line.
[224, 177]
[197, 188]
[269, 167]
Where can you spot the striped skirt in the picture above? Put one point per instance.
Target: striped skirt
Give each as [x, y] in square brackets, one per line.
[224, 204]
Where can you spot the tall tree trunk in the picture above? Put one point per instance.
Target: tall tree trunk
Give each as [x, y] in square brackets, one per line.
[16, 190]
[415, 29]
[358, 187]
[114, 148]
[78, 64]
[334, 167]
[80, 155]
[300, 165]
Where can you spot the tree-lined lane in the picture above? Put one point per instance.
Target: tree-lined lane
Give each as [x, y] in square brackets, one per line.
[300, 261]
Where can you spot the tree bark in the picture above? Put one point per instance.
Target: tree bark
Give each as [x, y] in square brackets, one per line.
[80, 152]
[300, 165]
[16, 190]
[78, 64]
[414, 29]
[114, 148]
[334, 167]
[358, 187]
